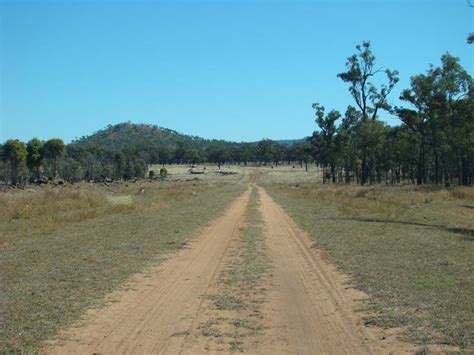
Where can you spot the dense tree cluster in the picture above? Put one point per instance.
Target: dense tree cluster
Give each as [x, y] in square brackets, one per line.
[433, 144]
[98, 159]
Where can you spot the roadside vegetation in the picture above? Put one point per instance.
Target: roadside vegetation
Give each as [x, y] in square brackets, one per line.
[236, 306]
[409, 248]
[63, 248]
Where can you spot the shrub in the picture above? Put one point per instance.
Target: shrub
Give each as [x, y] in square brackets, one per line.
[163, 173]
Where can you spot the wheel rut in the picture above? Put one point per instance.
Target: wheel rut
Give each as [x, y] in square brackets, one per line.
[310, 309]
[157, 314]
[307, 306]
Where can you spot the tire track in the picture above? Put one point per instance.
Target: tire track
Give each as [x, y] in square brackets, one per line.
[157, 315]
[310, 310]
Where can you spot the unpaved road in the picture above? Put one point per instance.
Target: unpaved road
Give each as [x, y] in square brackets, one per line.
[308, 308]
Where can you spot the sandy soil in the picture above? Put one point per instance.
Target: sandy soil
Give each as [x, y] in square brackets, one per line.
[309, 307]
[164, 302]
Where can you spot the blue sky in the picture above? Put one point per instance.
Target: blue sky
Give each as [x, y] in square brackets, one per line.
[236, 70]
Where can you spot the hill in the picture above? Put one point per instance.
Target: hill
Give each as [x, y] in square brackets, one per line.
[128, 134]
[290, 142]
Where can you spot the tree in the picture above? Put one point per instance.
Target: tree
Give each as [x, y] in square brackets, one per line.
[165, 155]
[247, 153]
[422, 96]
[440, 117]
[369, 99]
[195, 156]
[217, 153]
[14, 153]
[346, 142]
[181, 153]
[360, 70]
[54, 149]
[35, 156]
[302, 152]
[455, 87]
[264, 151]
[324, 141]
[70, 170]
[279, 153]
[370, 139]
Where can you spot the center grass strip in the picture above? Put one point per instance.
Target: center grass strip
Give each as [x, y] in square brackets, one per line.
[416, 267]
[50, 276]
[236, 305]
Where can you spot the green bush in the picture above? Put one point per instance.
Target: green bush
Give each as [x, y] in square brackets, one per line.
[163, 173]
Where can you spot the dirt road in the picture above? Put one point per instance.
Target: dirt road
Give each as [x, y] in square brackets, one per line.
[308, 309]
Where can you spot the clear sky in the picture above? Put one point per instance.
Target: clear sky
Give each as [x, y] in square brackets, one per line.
[236, 70]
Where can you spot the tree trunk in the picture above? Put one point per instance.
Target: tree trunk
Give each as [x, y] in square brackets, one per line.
[364, 172]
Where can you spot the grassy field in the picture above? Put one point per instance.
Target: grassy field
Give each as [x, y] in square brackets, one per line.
[63, 248]
[410, 248]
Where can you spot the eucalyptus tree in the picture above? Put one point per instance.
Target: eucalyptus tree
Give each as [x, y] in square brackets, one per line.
[441, 117]
[421, 118]
[264, 151]
[456, 86]
[361, 69]
[279, 152]
[324, 141]
[14, 154]
[303, 153]
[346, 142]
[35, 156]
[217, 153]
[53, 150]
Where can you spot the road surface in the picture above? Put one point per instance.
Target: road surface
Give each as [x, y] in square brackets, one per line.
[308, 308]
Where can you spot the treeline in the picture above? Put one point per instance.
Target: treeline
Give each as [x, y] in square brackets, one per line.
[434, 144]
[37, 161]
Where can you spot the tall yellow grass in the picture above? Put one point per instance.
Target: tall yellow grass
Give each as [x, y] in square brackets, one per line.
[389, 201]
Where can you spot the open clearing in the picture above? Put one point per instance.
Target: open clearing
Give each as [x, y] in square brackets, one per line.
[148, 268]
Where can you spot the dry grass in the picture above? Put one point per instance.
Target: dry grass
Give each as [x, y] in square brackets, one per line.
[410, 248]
[63, 249]
[18, 205]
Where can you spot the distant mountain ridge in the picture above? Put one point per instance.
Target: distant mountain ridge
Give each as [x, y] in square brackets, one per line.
[127, 134]
[290, 142]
